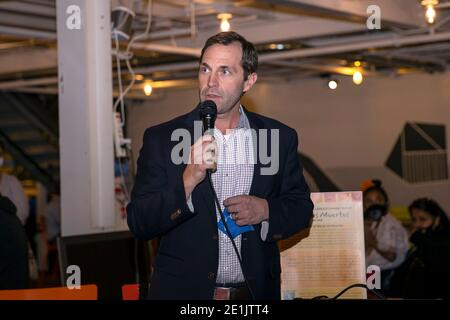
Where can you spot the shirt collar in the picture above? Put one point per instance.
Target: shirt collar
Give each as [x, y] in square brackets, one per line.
[243, 120]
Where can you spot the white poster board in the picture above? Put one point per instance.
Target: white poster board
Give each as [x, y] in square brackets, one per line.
[328, 257]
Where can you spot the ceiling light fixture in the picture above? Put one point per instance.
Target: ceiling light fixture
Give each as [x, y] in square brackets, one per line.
[430, 12]
[332, 84]
[357, 77]
[224, 21]
[148, 88]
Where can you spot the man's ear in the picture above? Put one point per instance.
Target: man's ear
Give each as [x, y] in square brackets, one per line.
[251, 79]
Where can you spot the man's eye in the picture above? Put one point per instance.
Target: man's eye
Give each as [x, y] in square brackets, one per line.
[226, 71]
[203, 69]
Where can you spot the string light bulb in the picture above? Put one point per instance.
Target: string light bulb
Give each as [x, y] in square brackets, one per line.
[430, 12]
[148, 88]
[332, 84]
[224, 21]
[357, 77]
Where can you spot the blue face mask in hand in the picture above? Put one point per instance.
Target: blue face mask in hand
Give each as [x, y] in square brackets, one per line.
[235, 230]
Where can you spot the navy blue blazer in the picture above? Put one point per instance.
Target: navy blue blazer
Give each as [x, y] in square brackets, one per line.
[187, 260]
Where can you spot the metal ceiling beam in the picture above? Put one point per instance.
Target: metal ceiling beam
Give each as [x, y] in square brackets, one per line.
[195, 52]
[27, 21]
[351, 47]
[266, 31]
[23, 110]
[5, 85]
[28, 59]
[168, 67]
[27, 33]
[398, 13]
[27, 162]
[410, 58]
[317, 67]
[45, 90]
[28, 8]
[444, 5]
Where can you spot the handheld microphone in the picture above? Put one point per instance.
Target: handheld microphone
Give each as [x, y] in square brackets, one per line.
[208, 114]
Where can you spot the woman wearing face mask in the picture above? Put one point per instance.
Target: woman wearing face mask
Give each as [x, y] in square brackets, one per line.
[425, 273]
[386, 240]
[11, 188]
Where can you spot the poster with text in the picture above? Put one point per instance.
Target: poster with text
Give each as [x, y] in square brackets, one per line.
[329, 256]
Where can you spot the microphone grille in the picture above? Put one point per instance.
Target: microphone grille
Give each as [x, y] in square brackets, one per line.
[208, 107]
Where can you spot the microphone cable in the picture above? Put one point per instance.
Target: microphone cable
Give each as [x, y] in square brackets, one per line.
[222, 217]
[356, 285]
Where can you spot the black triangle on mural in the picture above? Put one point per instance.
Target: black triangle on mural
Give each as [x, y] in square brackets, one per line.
[414, 141]
[435, 132]
[394, 162]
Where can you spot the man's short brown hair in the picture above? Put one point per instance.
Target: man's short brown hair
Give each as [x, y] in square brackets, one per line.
[249, 61]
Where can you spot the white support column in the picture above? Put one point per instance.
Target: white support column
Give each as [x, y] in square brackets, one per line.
[85, 116]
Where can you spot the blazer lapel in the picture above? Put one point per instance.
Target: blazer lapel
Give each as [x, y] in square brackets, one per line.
[256, 124]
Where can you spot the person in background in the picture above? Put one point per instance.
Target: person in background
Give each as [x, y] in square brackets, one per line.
[52, 222]
[425, 272]
[11, 188]
[13, 248]
[386, 240]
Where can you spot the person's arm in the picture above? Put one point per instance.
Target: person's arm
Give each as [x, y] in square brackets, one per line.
[395, 253]
[292, 210]
[372, 242]
[389, 254]
[157, 204]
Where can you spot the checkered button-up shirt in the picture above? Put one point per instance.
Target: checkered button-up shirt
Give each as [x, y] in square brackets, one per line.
[233, 177]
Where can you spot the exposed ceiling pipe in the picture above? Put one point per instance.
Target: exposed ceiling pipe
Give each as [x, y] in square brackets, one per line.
[28, 33]
[28, 83]
[408, 57]
[29, 8]
[363, 45]
[25, 112]
[14, 45]
[348, 71]
[154, 35]
[195, 52]
[444, 5]
[181, 83]
[44, 90]
[168, 67]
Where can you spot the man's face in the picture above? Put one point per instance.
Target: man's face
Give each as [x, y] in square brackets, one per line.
[221, 76]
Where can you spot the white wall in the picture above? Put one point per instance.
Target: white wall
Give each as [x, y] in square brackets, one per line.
[344, 131]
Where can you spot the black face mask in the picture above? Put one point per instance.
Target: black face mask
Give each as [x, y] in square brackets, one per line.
[375, 212]
[430, 229]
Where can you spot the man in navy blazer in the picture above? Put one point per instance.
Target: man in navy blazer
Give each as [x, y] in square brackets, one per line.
[174, 201]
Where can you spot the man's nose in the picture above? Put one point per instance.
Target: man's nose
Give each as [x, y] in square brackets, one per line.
[212, 80]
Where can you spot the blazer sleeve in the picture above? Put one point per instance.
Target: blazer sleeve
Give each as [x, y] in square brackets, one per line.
[157, 205]
[292, 210]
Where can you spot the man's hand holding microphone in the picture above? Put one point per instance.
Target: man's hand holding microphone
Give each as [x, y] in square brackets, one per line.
[203, 156]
